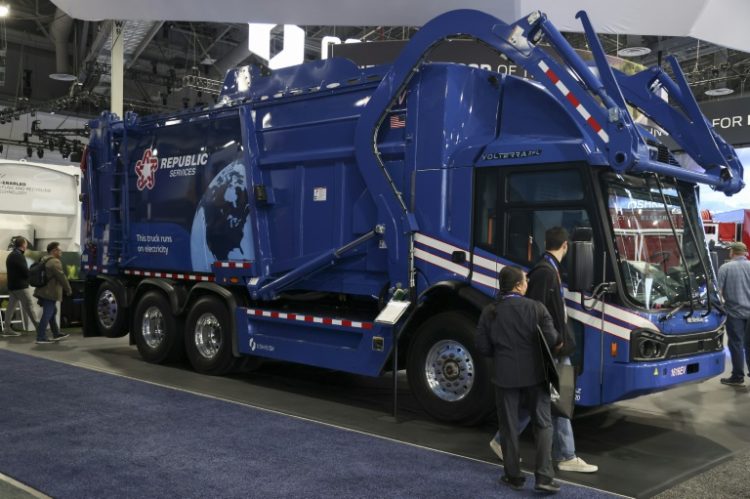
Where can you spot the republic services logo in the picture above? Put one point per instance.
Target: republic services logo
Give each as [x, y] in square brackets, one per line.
[146, 168]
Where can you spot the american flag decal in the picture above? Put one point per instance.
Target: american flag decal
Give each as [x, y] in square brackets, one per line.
[398, 121]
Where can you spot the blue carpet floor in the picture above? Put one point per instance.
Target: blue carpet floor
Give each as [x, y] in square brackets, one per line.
[73, 433]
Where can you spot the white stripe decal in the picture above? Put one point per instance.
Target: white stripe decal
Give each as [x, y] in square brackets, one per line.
[614, 311]
[485, 280]
[441, 262]
[596, 322]
[434, 243]
[485, 263]
[582, 111]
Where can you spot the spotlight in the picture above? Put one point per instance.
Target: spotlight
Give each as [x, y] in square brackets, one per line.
[4, 10]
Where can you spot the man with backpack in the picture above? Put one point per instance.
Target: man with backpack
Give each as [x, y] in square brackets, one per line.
[18, 286]
[54, 284]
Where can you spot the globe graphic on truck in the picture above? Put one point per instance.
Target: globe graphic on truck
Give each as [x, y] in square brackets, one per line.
[221, 227]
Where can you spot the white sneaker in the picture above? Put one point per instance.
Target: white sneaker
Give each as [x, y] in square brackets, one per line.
[496, 449]
[577, 465]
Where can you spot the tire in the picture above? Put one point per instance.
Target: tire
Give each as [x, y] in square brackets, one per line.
[208, 337]
[156, 331]
[111, 310]
[447, 375]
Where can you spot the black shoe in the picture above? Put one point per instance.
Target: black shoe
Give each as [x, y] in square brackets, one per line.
[43, 341]
[551, 488]
[733, 381]
[61, 336]
[515, 483]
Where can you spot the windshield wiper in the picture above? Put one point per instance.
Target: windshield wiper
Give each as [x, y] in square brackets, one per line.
[672, 312]
[689, 280]
[709, 283]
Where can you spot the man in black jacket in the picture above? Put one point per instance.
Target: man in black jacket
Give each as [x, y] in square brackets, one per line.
[545, 286]
[508, 333]
[18, 285]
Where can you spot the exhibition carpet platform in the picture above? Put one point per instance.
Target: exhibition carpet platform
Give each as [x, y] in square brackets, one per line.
[73, 433]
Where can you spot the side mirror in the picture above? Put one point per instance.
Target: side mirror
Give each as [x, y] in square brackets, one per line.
[581, 261]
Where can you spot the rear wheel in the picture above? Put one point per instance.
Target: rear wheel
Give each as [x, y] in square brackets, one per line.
[447, 375]
[208, 341]
[157, 332]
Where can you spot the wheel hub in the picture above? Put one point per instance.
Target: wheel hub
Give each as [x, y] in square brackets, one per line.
[107, 308]
[152, 327]
[449, 369]
[208, 335]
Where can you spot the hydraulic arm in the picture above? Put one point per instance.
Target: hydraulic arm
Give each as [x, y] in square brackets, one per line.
[596, 102]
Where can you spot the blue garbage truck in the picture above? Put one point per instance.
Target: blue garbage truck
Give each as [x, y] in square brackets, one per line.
[356, 219]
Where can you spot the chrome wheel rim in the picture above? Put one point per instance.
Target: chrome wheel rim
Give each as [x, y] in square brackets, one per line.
[449, 369]
[152, 327]
[208, 335]
[106, 308]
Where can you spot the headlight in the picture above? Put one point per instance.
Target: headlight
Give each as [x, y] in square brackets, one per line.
[646, 345]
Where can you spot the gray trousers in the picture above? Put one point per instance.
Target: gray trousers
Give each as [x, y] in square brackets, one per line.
[20, 297]
[536, 399]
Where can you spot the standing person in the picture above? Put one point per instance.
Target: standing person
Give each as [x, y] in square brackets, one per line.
[734, 284]
[545, 286]
[507, 332]
[18, 286]
[51, 293]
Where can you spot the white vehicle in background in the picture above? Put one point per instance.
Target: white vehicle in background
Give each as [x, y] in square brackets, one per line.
[39, 202]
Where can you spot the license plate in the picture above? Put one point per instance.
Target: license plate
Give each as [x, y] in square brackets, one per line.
[678, 371]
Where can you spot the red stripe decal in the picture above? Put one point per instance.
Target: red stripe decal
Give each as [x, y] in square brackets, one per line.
[593, 123]
[552, 76]
[291, 317]
[367, 325]
[346, 323]
[572, 99]
[275, 315]
[326, 320]
[309, 318]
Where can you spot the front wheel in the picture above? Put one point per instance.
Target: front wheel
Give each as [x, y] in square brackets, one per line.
[208, 340]
[447, 375]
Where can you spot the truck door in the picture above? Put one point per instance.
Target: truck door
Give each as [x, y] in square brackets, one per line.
[514, 207]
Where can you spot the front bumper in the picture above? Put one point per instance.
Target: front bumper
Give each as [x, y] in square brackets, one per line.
[628, 380]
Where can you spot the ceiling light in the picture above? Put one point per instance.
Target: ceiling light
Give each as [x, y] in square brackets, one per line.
[717, 92]
[633, 51]
[4, 10]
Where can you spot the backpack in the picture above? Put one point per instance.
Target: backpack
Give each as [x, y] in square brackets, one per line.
[38, 274]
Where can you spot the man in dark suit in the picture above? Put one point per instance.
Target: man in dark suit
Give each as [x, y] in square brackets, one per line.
[507, 332]
[545, 286]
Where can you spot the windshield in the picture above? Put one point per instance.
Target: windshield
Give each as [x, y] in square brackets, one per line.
[648, 250]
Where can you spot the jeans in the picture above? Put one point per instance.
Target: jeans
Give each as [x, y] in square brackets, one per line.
[563, 440]
[49, 311]
[20, 297]
[738, 341]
